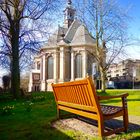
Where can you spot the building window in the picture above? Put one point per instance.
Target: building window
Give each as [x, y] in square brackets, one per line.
[78, 66]
[50, 68]
[38, 66]
[90, 62]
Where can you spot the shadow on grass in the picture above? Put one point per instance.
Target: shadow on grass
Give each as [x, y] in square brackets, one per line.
[43, 133]
[54, 133]
[136, 138]
[112, 124]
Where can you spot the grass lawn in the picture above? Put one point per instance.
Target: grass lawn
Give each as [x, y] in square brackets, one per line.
[32, 119]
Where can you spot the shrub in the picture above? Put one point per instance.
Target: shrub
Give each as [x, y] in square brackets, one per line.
[38, 98]
[7, 110]
[6, 82]
[28, 106]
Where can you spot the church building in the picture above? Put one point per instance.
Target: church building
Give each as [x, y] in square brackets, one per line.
[67, 56]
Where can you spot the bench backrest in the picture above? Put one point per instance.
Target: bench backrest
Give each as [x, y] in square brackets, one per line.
[81, 93]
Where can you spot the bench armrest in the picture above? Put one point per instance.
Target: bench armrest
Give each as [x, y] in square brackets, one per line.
[111, 97]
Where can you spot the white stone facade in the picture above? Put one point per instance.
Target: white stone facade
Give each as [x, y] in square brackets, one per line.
[126, 70]
[66, 55]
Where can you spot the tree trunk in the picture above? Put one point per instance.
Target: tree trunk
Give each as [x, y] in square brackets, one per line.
[103, 79]
[15, 70]
[15, 74]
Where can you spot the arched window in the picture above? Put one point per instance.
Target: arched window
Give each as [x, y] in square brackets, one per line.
[50, 68]
[78, 66]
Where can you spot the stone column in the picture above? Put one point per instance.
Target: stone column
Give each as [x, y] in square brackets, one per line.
[84, 64]
[41, 69]
[55, 67]
[43, 82]
[30, 82]
[72, 66]
[62, 64]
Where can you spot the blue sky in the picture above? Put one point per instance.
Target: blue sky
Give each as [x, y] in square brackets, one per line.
[134, 12]
[134, 26]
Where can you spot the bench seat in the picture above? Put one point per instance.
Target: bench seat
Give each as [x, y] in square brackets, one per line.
[110, 110]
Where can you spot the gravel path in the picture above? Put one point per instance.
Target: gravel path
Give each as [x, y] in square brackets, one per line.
[89, 127]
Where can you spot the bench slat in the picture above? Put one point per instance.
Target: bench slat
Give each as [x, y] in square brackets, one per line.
[79, 112]
[82, 95]
[88, 95]
[78, 106]
[79, 94]
[73, 83]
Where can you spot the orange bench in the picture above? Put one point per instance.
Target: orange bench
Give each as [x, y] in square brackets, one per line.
[79, 97]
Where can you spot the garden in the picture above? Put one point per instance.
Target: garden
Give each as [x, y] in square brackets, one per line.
[32, 117]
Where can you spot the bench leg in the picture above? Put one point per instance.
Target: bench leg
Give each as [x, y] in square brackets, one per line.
[125, 121]
[125, 116]
[101, 128]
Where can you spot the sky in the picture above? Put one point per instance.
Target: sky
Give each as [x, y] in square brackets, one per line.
[132, 51]
[134, 13]
[133, 26]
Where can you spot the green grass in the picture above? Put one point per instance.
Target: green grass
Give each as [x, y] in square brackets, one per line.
[36, 124]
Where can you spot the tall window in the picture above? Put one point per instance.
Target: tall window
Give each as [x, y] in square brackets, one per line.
[38, 65]
[50, 68]
[90, 61]
[78, 66]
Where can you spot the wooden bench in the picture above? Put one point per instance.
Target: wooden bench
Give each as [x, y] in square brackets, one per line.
[79, 97]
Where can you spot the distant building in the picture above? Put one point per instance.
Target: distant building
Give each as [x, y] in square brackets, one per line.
[126, 70]
[66, 56]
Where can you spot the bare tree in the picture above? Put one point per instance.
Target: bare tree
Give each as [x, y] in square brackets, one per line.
[107, 22]
[22, 25]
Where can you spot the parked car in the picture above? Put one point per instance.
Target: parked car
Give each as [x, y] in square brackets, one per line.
[110, 85]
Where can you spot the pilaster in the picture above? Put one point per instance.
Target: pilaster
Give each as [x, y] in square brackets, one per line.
[72, 66]
[62, 64]
[43, 83]
[56, 67]
[84, 64]
[30, 82]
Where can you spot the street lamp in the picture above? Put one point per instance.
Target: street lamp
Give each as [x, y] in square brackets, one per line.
[134, 75]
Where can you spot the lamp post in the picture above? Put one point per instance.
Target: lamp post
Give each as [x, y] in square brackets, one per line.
[134, 75]
[94, 73]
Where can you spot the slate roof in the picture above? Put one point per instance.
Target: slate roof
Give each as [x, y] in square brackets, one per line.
[76, 34]
[82, 37]
[56, 37]
[72, 30]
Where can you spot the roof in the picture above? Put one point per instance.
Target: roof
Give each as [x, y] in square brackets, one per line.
[62, 43]
[76, 34]
[82, 37]
[72, 30]
[55, 38]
